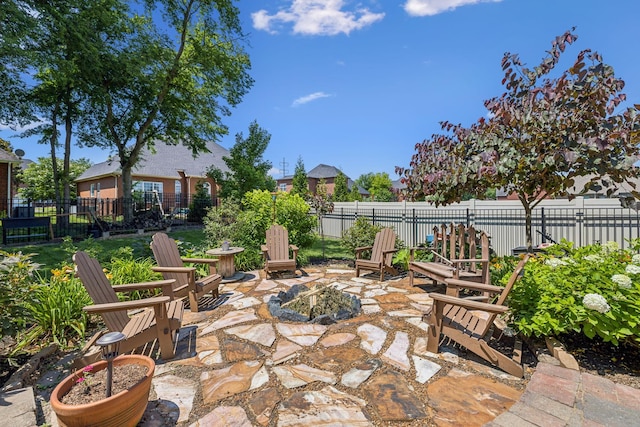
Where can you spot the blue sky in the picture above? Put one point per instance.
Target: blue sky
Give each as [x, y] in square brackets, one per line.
[356, 84]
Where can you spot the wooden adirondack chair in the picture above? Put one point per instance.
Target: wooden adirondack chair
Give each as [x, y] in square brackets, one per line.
[456, 257]
[469, 323]
[276, 250]
[171, 265]
[161, 321]
[381, 254]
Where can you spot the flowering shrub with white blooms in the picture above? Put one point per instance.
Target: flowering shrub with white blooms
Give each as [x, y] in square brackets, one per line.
[596, 302]
[593, 289]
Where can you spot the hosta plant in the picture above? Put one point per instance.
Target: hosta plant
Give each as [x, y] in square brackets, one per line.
[594, 290]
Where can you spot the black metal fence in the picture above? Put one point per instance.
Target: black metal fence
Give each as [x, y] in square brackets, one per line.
[24, 221]
[592, 223]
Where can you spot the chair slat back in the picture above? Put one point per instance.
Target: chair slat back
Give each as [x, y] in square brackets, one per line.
[385, 241]
[165, 251]
[277, 241]
[99, 289]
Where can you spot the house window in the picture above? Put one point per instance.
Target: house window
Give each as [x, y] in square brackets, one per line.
[92, 190]
[178, 187]
[148, 188]
[207, 187]
[283, 187]
[98, 190]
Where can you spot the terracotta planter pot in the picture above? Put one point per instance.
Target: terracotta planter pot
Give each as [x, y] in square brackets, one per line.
[123, 409]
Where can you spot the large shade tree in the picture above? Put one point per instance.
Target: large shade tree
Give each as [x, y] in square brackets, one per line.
[248, 170]
[541, 134]
[172, 77]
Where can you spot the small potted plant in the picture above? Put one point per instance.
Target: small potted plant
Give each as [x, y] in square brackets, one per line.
[85, 397]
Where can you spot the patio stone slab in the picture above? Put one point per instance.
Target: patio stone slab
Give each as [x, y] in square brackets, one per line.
[221, 383]
[230, 319]
[392, 397]
[303, 334]
[372, 337]
[396, 354]
[326, 407]
[180, 391]
[262, 333]
[299, 375]
[224, 416]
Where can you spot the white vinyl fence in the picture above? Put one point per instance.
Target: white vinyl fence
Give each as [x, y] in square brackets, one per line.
[581, 221]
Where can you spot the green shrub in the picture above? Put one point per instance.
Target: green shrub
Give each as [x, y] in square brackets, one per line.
[200, 204]
[361, 234]
[125, 269]
[246, 225]
[55, 313]
[16, 284]
[594, 290]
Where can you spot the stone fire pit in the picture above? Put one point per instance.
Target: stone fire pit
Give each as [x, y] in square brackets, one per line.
[323, 305]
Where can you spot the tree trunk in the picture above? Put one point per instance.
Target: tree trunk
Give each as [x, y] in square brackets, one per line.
[63, 221]
[528, 225]
[127, 199]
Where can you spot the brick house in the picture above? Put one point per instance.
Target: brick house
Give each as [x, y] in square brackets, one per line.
[8, 161]
[322, 171]
[171, 171]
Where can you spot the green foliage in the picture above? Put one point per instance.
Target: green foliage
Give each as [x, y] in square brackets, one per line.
[380, 188]
[401, 258]
[594, 289]
[340, 190]
[246, 226]
[55, 311]
[200, 203]
[125, 269]
[354, 194]
[248, 170]
[16, 283]
[300, 183]
[361, 234]
[365, 180]
[38, 178]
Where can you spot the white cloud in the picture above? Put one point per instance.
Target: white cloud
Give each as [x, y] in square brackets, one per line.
[433, 7]
[308, 98]
[316, 17]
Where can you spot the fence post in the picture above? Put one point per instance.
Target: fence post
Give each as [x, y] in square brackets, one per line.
[543, 221]
[415, 227]
[341, 221]
[373, 216]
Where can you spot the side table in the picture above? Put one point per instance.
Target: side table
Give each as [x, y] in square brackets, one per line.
[227, 266]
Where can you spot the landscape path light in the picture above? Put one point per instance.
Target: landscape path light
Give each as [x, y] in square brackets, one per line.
[110, 344]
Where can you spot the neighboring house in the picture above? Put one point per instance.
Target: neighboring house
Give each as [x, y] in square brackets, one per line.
[171, 171]
[8, 161]
[326, 172]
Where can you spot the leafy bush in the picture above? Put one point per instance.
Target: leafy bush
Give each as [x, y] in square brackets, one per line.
[55, 313]
[246, 225]
[593, 290]
[361, 234]
[16, 283]
[125, 269]
[200, 204]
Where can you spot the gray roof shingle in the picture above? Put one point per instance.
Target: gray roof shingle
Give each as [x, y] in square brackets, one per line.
[165, 162]
[8, 157]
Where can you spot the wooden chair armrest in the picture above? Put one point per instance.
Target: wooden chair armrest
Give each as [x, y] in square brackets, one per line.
[264, 248]
[173, 269]
[293, 247]
[201, 260]
[126, 305]
[166, 286]
[391, 251]
[437, 255]
[362, 249]
[457, 283]
[468, 304]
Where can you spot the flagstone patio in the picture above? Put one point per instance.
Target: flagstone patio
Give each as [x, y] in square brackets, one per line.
[238, 366]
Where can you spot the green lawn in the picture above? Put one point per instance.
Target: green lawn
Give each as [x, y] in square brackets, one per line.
[51, 255]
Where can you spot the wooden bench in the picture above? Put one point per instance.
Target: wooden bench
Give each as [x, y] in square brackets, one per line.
[455, 256]
[35, 227]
